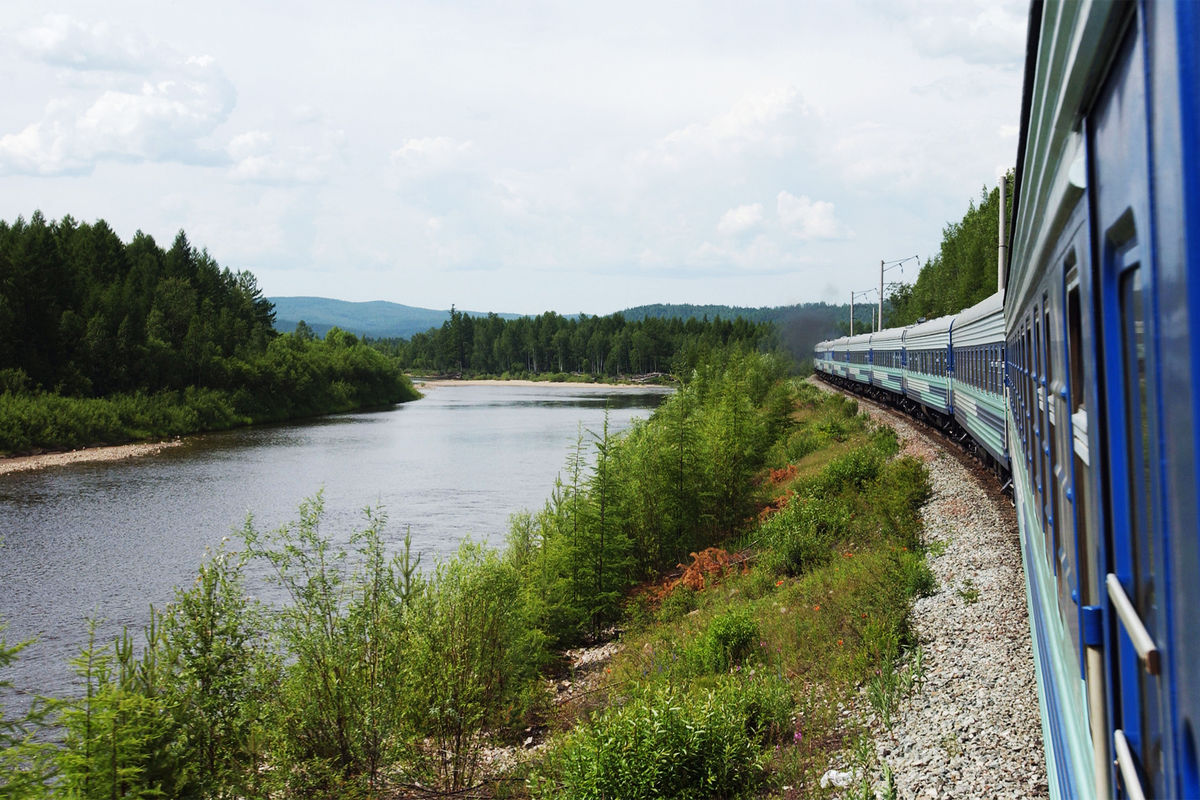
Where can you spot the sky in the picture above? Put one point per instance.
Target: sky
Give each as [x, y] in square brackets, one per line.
[519, 156]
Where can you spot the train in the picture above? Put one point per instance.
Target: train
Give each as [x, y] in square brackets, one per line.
[1079, 383]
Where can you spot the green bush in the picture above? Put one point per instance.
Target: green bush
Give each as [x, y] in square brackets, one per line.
[852, 471]
[674, 744]
[729, 641]
[680, 601]
[918, 578]
[802, 535]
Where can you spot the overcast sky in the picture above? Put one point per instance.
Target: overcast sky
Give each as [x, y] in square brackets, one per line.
[518, 156]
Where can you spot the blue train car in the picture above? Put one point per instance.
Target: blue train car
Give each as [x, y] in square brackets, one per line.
[858, 358]
[928, 366]
[887, 360]
[978, 387]
[1099, 386]
[1101, 319]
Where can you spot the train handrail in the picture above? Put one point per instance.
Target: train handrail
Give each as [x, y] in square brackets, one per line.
[1147, 650]
[1125, 763]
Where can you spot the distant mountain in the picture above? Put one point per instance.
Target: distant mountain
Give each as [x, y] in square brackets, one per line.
[800, 326]
[378, 319]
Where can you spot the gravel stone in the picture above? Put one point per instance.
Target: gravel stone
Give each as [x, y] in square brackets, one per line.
[973, 728]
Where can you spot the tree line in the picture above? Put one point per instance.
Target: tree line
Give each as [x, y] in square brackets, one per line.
[551, 343]
[961, 274]
[105, 341]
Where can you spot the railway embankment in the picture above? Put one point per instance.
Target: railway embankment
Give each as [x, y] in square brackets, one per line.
[972, 727]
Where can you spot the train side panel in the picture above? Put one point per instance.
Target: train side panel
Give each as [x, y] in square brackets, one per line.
[1100, 323]
[927, 369]
[887, 360]
[858, 358]
[978, 388]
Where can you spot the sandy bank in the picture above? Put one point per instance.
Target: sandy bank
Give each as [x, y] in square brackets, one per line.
[436, 382]
[112, 453]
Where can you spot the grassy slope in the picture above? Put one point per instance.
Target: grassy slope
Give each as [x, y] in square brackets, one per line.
[821, 608]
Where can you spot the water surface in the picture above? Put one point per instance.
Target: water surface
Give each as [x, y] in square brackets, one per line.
[110, 538]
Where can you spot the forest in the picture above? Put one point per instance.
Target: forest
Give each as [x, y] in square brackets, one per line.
[103, 341]
[596, 346]
[961, 274]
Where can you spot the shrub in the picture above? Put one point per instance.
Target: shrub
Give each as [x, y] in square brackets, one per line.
[855, 470]
[680, 601]
[668, 743]
[801, 536]
[729, 640]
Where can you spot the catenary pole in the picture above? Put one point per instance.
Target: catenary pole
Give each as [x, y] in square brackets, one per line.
[1003, 259]
[880, 295]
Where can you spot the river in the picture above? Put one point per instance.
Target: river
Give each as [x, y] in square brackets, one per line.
[107, 539]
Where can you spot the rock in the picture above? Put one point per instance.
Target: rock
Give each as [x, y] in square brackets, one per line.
[835, 778]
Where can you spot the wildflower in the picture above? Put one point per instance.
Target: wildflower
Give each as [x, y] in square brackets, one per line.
[797, 737]
[817, 607]
[779, 583]
[839, 642]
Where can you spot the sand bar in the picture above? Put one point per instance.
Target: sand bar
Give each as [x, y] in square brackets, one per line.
[433, 383]
[110, 453]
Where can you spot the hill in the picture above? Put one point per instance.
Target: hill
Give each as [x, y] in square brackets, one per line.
[800, 326]
[378, 319]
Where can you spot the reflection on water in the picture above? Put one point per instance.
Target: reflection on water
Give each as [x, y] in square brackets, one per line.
[109, 539]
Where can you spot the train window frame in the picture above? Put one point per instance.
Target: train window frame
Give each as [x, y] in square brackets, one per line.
[1053, 523]
[1041, 479]
[1139, 458]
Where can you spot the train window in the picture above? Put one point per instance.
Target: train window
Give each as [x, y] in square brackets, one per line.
[1137, 423]
[1027, 391]
[1052, 457]
[1044, 479]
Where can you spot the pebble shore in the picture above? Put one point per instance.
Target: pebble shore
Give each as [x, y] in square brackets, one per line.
[972, 729]
[111, 453]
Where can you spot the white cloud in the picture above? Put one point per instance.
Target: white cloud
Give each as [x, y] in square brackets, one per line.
[808, 219]
[63, 41]
[984, 32]
[258, 158]
[430, 154]
[767, 121]
[166, 118]
[740, 219]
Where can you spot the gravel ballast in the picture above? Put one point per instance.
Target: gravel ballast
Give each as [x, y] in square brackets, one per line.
[972, 728]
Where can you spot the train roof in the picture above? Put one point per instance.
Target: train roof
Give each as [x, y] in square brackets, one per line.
[984, 308]
[888, 336]
[932, 333]
[860, 342]
[982, 323]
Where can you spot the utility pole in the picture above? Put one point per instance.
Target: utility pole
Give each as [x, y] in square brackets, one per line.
[880, 295]
[1000, 270]
[884, 266]
[851, 313]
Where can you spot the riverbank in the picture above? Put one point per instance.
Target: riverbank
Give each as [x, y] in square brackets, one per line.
[433, 383]
[118, 452]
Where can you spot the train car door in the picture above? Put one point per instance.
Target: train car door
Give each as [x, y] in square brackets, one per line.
[1134, 512]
